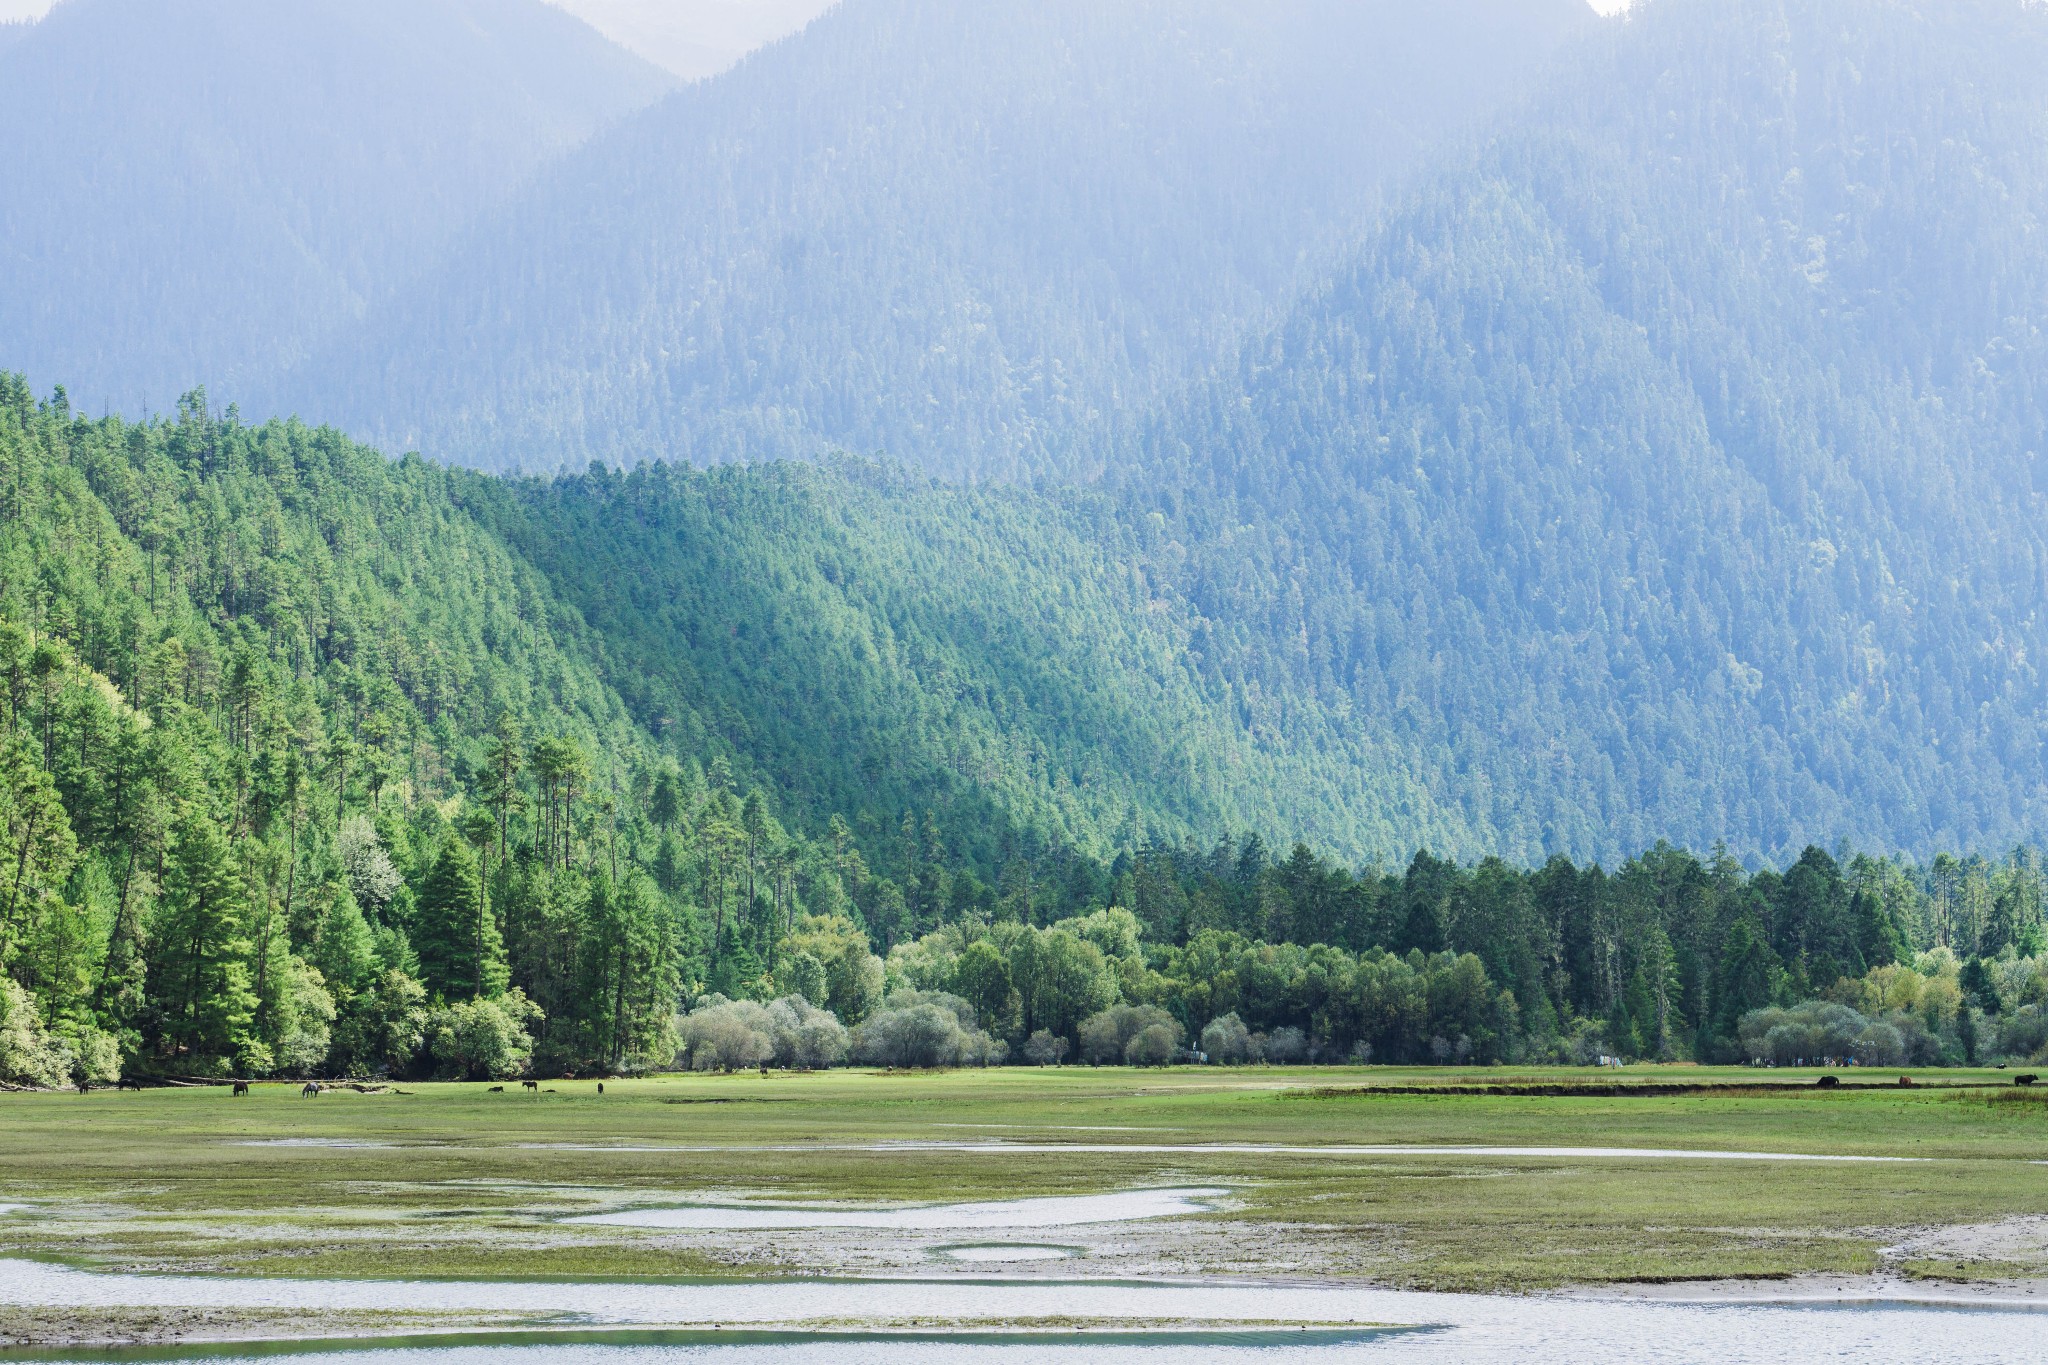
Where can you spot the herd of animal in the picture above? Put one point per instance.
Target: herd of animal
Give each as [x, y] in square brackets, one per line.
[312, 1089]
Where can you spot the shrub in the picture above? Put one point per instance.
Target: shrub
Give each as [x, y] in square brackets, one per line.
[1045, 1048]
[1820, 1031]
[483, 1040]
[26, 1054]
[1227, 1041]
[728, 1035]
[1155, 1045]
[925, 1029]
[1106, 1037]
[1286, 1047]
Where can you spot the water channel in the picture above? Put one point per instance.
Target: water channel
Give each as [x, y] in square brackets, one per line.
[961, 1322]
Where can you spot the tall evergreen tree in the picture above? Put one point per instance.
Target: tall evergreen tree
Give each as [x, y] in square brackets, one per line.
[462, 954]
[199, 979]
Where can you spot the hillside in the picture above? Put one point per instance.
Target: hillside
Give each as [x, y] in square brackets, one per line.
[965, 236]
[306, 767]
[1670, 468]
[200, 190]
[882, 643]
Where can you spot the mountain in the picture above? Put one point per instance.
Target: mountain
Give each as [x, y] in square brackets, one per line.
[1671, 466]
[695, 38]
[966, 236]
[199, 190]
[878, 643]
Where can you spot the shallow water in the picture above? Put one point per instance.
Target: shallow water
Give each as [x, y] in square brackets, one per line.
[1264, 1149]
[1004, 1147]
[1067, 1211]
[1478, 1328]
[315, 1142]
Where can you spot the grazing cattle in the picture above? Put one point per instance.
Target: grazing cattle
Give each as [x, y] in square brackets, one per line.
[1828, 1082]
[241, 1087]
[2027, 1079]
[495, 1090]
[531, 1085]
[1905, 1082]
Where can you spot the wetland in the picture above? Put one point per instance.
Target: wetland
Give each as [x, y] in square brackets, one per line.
[1197, 1200]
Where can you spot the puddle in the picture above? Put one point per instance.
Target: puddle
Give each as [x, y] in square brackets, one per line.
[313, 1142]
[789, 1316]
[1262, 1149]
[1062, 1211]
[1007, 1147]
[14, 1208]
[1059, 1127]
[996, 1253]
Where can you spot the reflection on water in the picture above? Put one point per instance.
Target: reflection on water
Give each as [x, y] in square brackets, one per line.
[1546, 1330]
[1251, 1347]
[1065, 1211]
[1008, 1147]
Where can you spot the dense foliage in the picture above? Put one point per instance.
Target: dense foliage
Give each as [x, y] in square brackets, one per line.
[1669, 466]
[307, 767]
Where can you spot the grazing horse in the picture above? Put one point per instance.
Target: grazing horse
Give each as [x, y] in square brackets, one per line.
[530, 1085]
[241, 1087]
[1828, 1082]
[310, 1088]
[125, 1084]
[600, 1087]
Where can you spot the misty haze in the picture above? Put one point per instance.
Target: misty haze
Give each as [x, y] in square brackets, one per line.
[906, 678]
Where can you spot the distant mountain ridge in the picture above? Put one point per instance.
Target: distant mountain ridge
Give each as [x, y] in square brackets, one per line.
[1663, 464]
[199, 191]
[971, 237]
[1672, 467]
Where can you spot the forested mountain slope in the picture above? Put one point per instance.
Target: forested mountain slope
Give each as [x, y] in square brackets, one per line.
[963, 235]
[197, 190]
[855, 642]
[881, 644]
[306, 769]
[1672, 468]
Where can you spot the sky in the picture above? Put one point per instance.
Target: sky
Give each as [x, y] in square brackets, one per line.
[693, 38]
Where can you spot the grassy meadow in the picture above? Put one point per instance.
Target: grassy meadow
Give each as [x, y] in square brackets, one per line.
[455, 1180]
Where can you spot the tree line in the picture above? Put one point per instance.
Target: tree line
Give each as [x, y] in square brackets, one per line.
[305, 770]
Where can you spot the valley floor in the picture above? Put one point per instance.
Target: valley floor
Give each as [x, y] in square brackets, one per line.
[1714, 1184]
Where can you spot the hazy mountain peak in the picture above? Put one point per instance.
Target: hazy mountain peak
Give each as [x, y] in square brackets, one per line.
[695, 38]
[199, 188]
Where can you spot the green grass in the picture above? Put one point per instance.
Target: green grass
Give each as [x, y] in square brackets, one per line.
[155, 1180]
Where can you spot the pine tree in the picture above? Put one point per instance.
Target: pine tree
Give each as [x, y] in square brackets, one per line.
[462, 955]
[200, 979]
